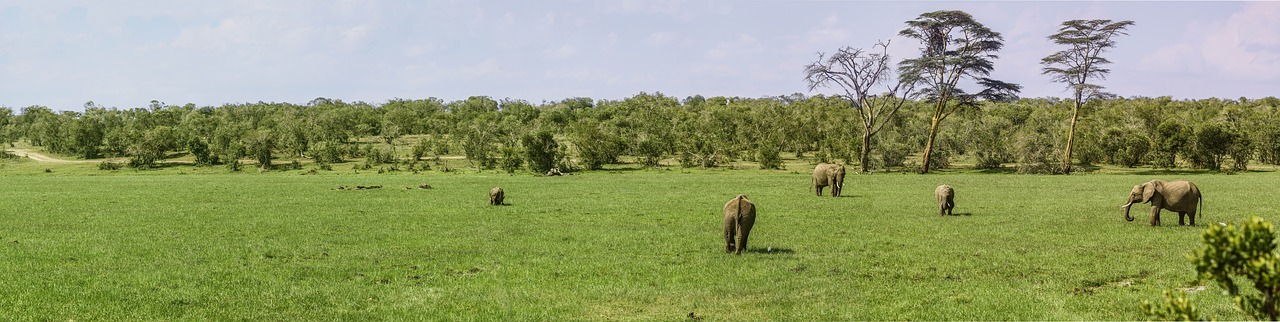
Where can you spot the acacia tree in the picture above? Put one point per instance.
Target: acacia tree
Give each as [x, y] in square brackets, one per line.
[1080, 63]
[955, 47]
[857, 73]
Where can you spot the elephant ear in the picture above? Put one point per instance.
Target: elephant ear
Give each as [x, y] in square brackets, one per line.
[1149, 190]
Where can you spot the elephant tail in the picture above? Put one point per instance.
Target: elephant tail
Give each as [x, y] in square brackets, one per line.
[1200, 204]
[737, 218]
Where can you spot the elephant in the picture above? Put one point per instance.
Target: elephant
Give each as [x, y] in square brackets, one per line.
[495, 196]
[946, 199]
[1179, 196]
[739, 216]
[826, 174]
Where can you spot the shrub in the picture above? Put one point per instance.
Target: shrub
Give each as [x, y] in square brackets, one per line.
[1127, 148]
[1212, 143]
[542, 150]
[767, 154]
[893, 154]
[1035, 152]
[326, 152]
[1245, 250]
[421, 149]
[1176, 307]
[1170, 140]
[108, 166]
[1267, 143]
[939, 159]
[379, 156]
[200, 150]
[511, 160]
[650, 151]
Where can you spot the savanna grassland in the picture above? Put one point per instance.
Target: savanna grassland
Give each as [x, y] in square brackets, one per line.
[179, 243]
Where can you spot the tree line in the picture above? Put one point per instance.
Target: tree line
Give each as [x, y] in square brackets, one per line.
[651, 130]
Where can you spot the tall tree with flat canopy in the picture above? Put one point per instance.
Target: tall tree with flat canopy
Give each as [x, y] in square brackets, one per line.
[1080, 63]
[955, 48]
[857, 73]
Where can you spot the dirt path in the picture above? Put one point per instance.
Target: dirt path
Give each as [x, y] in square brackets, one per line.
[44, 158]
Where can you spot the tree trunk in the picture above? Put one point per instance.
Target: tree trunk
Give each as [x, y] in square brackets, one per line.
[1071, 137]
[928, 147]
[1268, 305]
[865, 159]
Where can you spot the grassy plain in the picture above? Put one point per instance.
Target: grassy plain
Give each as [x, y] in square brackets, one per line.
[185, 243]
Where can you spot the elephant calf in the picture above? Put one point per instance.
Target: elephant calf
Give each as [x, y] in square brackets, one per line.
[826, 174]
[946, 199]
[495, 196]
[739, 216]
[1178, 196]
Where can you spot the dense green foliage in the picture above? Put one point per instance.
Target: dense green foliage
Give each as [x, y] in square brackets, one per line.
[1248, 251]
[656, 130]
[1175, 306]
[177, 243]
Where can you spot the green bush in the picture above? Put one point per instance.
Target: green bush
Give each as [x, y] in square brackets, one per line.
[1127, 148]
[511, 160]
[1035, 151]
[1267, 143]
[108, 166]
[767, 155]
[1245, 250]
[542, 150]
[326, 152]
[1176, 307]
[420, 150]
[1170, 140]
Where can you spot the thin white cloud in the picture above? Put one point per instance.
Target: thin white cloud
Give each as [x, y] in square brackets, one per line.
[659, 38]
[488, 67]
[1248, 45]
[1244, 46]
[564, 51]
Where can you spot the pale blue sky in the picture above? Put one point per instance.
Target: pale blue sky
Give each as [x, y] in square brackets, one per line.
[125, 53]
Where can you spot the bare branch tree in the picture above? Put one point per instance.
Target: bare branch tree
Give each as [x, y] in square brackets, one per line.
[858, 73]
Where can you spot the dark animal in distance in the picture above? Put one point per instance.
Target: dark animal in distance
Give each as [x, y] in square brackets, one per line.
[946, 199]
[739, 216]
[496, 196]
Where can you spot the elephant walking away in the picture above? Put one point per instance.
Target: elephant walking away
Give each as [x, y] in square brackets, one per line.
[739, 216]
[1178, 196]
[495, 196]
[946, 199]
[826, 174]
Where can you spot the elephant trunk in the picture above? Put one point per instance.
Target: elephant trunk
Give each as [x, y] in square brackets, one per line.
[1126, 211]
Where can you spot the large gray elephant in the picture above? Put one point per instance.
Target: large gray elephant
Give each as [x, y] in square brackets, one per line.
[496, 196]
[1178, 196]
[739, 216]
[946, 199]
[826, 174]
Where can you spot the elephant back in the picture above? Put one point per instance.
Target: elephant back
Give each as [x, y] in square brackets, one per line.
[824, 171]
[740, 207]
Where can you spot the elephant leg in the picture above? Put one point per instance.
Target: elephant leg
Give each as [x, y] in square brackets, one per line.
[742, 240]
[1182, 219]
[819, 189]
[728, 237]
[1155, 216]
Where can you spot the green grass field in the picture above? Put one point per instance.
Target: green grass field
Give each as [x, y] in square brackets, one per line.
[184, 243]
